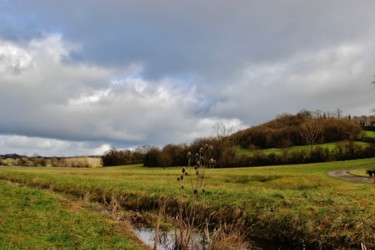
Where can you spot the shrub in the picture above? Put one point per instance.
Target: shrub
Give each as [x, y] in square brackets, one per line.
[319, 154]
[296, 157]
[153, 158]
[116, 157]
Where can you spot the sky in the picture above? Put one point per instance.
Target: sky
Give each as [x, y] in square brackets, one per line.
[81, 77]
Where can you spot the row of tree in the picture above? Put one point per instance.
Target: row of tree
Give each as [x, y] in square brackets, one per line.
[123, 157]
[304, 128]
[176, 155]
[344, 150]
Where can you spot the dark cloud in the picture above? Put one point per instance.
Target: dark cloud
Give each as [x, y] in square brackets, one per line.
[193, 37]
[155, 72]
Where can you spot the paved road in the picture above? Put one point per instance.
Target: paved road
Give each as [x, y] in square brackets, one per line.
[345, 175]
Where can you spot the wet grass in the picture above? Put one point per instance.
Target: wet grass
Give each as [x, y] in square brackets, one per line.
[32, 218]
[292, 203]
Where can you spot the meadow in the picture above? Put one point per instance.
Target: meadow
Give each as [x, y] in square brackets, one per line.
[330, 146]
[293, 204]
[31, 218]
[369, 134]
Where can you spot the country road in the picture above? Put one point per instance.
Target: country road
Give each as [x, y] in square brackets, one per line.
[344, 174]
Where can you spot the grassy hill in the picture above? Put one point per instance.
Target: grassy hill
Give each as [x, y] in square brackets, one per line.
[291, 130]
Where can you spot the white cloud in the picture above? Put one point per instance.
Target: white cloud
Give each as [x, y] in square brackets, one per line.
[165, 72]
[92, 98]
[48, 147]
[52, 48]
[324, 79]
[64, 100]
[13, 59]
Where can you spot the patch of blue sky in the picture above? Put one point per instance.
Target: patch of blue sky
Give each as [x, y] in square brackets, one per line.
[204, 106]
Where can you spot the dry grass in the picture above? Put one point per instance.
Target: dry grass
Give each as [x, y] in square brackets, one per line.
[83, 162]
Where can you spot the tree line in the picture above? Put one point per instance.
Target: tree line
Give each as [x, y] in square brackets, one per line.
[284, 132]
[293, 130]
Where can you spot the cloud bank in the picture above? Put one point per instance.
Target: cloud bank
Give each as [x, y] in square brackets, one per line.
[80, 77]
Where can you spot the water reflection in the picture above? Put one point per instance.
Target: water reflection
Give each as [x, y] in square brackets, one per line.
[167, 241]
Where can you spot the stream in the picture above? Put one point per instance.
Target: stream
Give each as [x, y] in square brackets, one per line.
[166, 241]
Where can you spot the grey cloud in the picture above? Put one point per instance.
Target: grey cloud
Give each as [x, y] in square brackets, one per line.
[337, 77]
[80, 102]
[195, 37]
[135, 72]
[49, 147]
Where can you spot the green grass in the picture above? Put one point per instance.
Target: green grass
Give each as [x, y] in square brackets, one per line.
[286, 203]
[369, 134]
[362, 171]
[32, 218]
[330, 146]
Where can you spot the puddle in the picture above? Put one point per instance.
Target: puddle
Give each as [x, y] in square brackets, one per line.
[166, 241]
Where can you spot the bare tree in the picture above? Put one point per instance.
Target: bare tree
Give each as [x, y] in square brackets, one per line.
[338, 112]
[317, 113]
[311, 132]
[224, 143]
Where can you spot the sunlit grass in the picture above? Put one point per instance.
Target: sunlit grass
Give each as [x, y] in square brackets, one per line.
[369, 134]
[330, 146]
[281, 201]
[31, 218]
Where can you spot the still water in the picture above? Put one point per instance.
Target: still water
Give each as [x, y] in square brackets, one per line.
[166, 241]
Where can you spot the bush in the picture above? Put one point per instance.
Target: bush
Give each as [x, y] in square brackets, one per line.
[296, 157]
[121, 157]
[153, 158]
[319, 154]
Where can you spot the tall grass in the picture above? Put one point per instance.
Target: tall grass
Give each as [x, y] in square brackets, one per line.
[297, 204]
[83, 162]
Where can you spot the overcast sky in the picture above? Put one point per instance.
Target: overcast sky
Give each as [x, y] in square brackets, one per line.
[78, 77]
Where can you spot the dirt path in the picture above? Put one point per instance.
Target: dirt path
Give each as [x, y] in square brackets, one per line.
[344, 174]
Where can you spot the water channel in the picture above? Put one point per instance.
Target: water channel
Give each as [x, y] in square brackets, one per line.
[166, 241]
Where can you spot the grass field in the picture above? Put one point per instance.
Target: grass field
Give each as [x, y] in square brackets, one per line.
[362, 171]
[292, 203]
[369, 134]
[329, 146]
[32, 218]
